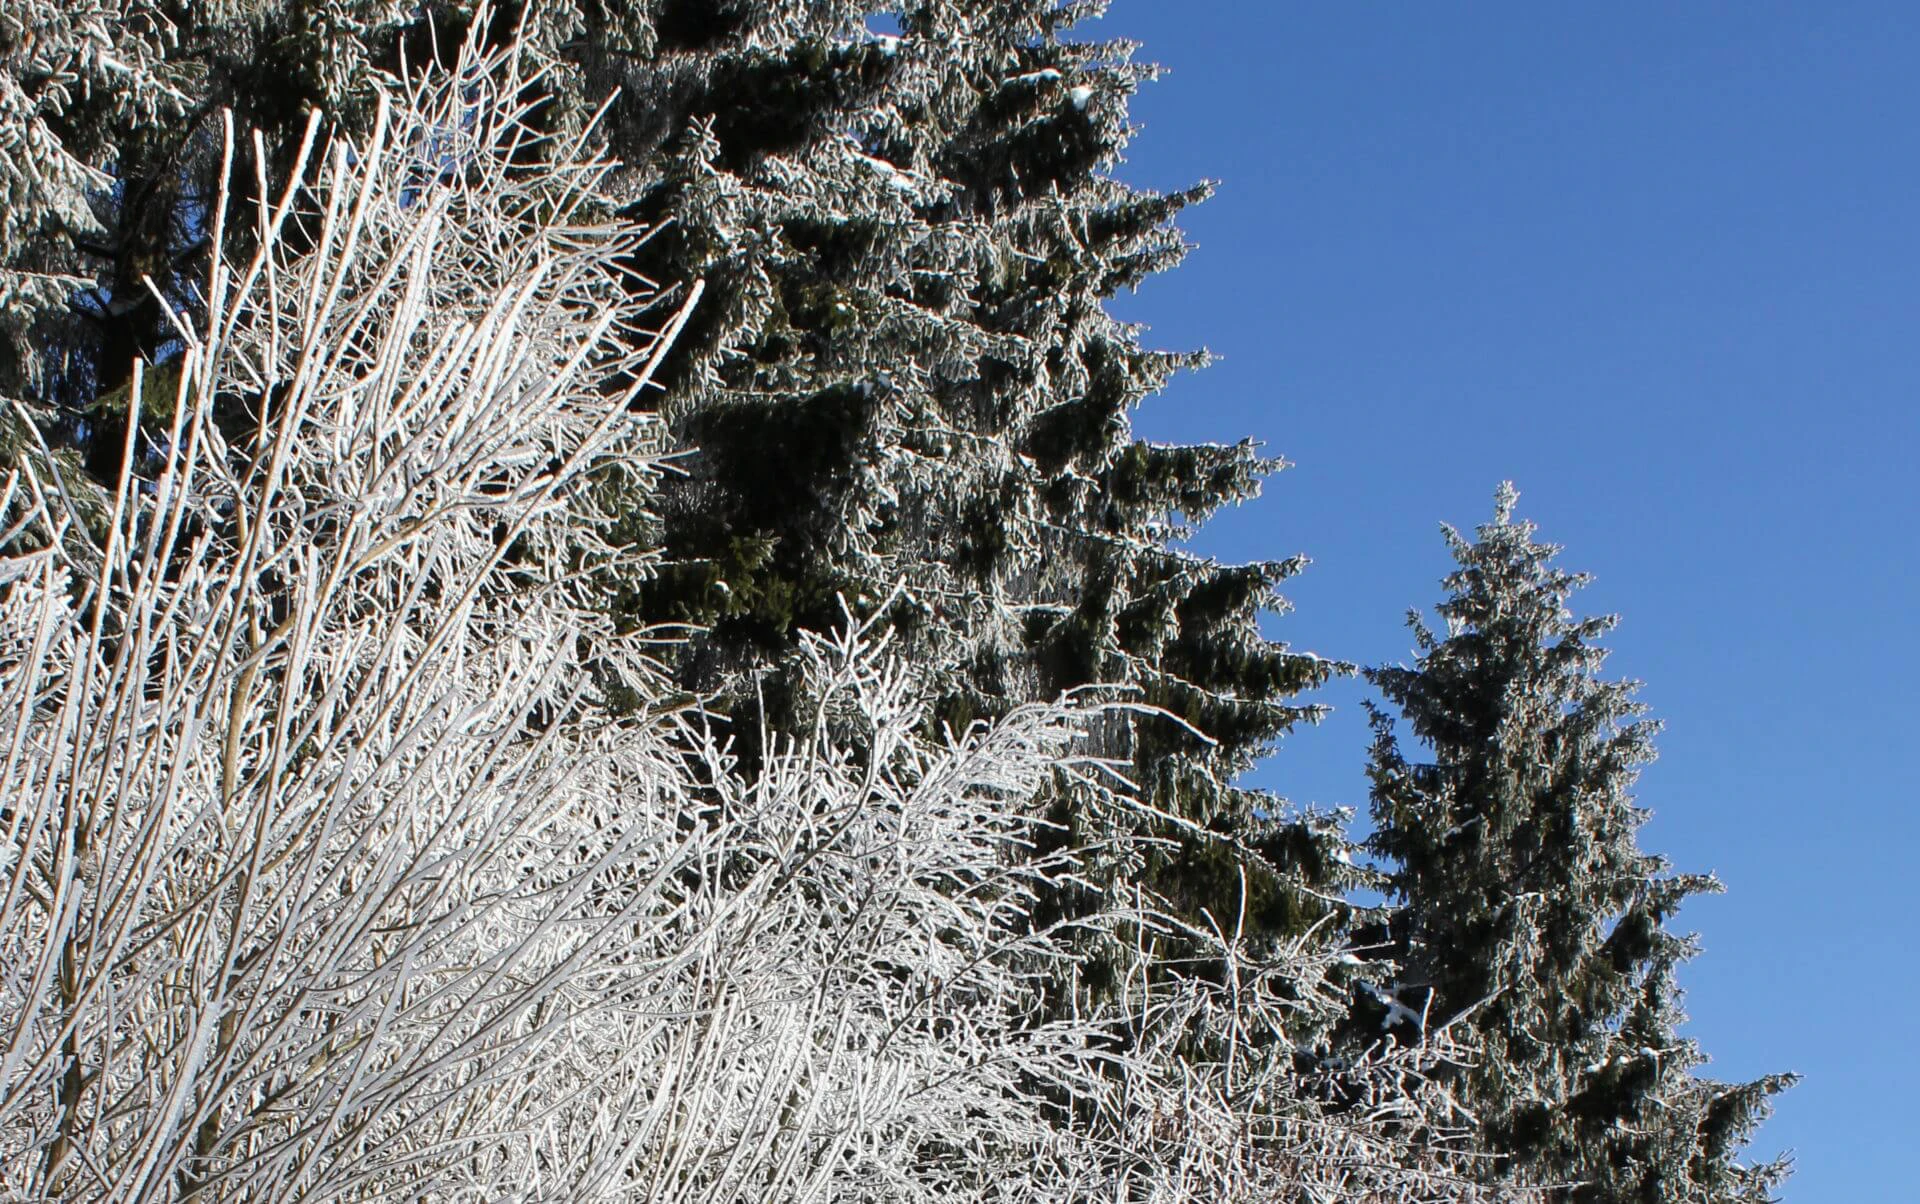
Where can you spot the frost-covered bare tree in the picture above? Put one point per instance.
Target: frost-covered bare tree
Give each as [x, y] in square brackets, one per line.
[307, 830]
[339, 862]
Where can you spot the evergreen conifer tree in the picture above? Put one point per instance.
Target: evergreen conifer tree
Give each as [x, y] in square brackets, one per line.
[1522, 906]
[910, 380]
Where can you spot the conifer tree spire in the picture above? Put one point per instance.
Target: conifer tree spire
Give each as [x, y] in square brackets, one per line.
[1522, 906]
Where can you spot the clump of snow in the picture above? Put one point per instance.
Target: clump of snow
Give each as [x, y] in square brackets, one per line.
[905, 181]
[1397, 1012]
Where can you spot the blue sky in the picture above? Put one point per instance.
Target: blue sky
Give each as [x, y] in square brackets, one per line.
[1660, 265]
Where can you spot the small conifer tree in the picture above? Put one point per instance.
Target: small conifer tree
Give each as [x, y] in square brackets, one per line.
[1522, 907]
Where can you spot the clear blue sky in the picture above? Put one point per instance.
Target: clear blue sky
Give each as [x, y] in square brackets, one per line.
[1659, 264]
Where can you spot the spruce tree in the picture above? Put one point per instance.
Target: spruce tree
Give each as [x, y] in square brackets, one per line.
[74, 77]
[906, 392]
[1522, 907]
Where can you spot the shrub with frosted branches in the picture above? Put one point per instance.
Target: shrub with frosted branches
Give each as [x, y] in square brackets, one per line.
[308, 819]
[330, 872]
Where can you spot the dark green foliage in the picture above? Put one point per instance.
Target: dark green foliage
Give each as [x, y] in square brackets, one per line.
[904, 389]
[699, 24]
[761, 556]
[1522, 908]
